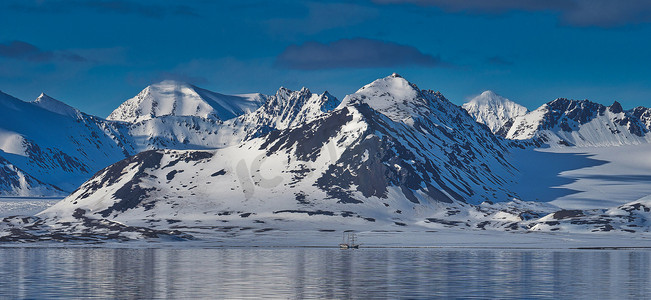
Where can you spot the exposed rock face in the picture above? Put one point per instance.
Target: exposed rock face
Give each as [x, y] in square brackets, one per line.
[565, 122]
[644, 114]
[283, 110]
[631, 217]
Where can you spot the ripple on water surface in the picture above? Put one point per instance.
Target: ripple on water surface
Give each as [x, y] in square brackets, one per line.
[322, 273]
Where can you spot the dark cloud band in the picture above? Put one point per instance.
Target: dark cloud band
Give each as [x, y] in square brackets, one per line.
[354, 53]
[583, 13]
[153, 10]
[498, 60]
[26, 51]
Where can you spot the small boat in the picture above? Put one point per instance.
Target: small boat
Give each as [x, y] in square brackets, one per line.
[350, 243]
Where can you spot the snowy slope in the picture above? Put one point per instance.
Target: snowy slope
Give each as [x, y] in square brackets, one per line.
[388, 157]
[55, 144]
[65, 147]
[56, 106]
[583, 177]
[283, 110]
[494, 111]
[388, 153]
[15, 182]
[174, 132]
[564, 122]
[181, 99]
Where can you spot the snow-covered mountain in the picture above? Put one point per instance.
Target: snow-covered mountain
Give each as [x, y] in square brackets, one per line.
[387, 156]
[173, 98]
[289, 108]
[48, 143]
[66, 146]
[565, 122]
[494, 111]
[644, 114]
[15, 182]
[56, 106]
[283, 110]
[388, 152]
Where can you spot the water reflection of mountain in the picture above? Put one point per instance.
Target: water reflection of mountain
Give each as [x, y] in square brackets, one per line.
[322, 273]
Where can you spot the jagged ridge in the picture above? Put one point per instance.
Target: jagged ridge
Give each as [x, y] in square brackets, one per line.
[567, 122]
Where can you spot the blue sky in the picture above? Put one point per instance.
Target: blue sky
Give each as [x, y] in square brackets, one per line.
[95, 54]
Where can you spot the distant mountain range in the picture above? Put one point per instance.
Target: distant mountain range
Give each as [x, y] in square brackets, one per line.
[49, 148]
[386, 143]
[582, 123]
[563, 122]
[391, 154]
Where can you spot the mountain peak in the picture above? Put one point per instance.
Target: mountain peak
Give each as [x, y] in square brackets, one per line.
[285, 91]
[46, 102]
[328, 102]
[489, 93]
[494, 111]
[394, 80]
[43, 97]
[287, 109]
[392, 96]
[581, 111]
[489, 97]
[616, 108]
[168, 82]
[176, 98]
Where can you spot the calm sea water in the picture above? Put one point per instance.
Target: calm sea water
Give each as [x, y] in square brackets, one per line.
[322, 273]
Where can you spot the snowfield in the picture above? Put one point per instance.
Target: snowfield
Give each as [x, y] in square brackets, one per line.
[609, 176]
[27, 206]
